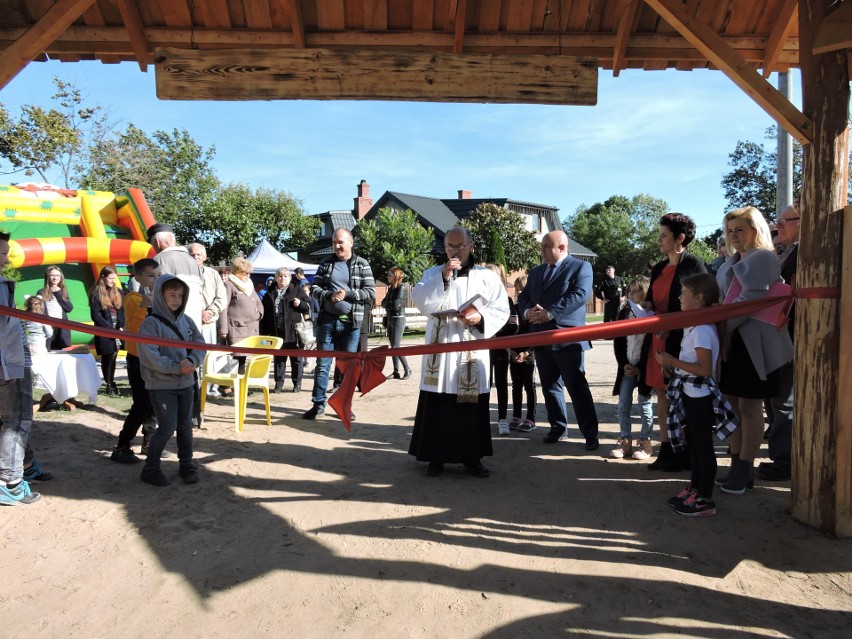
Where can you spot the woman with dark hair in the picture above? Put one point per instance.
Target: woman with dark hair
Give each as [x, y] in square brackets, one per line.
[676, 232]
[105, 304]
[283, 306]
[57, 304]
[394, 303]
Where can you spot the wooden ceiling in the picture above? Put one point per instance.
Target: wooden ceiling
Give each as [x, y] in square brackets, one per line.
[746, 39]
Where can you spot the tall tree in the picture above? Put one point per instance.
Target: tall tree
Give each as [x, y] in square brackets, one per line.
[519, 247]
[395, 238]
[50, 142]
[621, 230]
[752, 179]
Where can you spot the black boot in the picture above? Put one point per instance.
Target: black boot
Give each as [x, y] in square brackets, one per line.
[663, 457]
[720, 480]
[740, 478]
[677, 462]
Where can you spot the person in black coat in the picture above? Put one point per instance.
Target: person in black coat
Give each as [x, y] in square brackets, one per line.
[285, 304]
[105, 304]
[610, 290]
[394, 303]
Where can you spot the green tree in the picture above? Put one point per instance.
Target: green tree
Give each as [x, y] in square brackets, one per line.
[47, 142]
[173, 171]
[621, 230]
[520, 248]
[752, 179]
[395, 238]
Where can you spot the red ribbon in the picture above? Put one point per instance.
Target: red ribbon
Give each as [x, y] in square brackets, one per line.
[365, 368]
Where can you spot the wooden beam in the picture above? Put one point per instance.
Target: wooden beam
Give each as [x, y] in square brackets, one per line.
[297, 23]
[135, 31]
[625, 26]
[320, 74]
[735, 67]
[819, 476]
[784, 22]
[458, 19]
[844, 380]
[58, 18]
[835, 32]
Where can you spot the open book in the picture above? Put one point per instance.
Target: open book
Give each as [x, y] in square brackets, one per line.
[457, 312]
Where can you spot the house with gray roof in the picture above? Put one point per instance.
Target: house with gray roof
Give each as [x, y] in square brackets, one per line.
[439, 214]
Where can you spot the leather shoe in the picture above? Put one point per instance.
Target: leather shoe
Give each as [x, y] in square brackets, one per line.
[477, 469]
[433, 469]
[592, 444]
[553, 436]
[297, 388]
[406, 375]
[313, 411]
[773, 473]
[394, 375]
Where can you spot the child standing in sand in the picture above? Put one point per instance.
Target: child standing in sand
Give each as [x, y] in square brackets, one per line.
[169, 374]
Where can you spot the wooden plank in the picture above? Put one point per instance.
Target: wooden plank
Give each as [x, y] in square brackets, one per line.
[58, 18]
[459, 26]
[297, 23]
[816, 485]
[330, 15]
[844, 380]
[135, 31]
[422, 16]
[625, 26]
[176, 13]
[835, 33]
[213, 14]
[376, 15]
[735, 67]
[373, 75]
[400, 15]
[257, 14]
[785, 19]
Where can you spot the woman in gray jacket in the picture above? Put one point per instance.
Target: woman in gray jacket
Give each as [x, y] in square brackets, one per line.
[243, 309]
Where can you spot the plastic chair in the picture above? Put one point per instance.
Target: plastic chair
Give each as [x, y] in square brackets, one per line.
[256, 374]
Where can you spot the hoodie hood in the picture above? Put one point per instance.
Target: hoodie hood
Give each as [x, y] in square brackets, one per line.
[158, 302]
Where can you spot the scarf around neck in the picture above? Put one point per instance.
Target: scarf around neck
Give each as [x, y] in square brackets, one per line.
[246, 287]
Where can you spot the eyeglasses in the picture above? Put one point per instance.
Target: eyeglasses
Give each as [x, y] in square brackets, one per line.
[456, 247]
[783, 221]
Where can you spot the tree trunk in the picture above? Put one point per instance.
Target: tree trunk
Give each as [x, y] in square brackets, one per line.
[817, 467]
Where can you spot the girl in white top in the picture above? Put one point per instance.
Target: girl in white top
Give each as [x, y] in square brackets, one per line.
[38, 334]
[696, 407]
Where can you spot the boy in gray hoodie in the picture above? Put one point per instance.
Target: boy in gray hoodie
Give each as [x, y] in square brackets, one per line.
[169, 374]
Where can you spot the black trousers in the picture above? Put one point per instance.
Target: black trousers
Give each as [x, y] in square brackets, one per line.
[700, 421]
[141, 409]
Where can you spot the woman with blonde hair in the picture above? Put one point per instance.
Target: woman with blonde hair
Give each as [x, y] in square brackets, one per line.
[755, 351]
[394, 303]
[105, 305]
[243, 308]
[56, 304]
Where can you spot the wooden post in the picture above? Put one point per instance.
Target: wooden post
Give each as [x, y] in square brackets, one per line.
[825, 100]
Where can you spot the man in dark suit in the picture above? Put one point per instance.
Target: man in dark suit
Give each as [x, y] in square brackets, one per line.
[555, 297]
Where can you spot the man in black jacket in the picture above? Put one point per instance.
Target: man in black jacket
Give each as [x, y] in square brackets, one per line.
[610, 290]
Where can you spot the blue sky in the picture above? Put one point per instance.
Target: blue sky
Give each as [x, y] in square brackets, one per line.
[664, 133]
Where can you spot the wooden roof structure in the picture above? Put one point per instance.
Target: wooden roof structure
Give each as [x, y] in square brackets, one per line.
[535, 51]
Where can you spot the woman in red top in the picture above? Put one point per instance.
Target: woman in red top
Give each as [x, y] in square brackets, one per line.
[676, 232]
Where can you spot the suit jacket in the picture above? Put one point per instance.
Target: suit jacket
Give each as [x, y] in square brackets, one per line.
[564, 297]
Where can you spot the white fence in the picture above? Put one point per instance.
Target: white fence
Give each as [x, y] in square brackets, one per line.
[414, 319]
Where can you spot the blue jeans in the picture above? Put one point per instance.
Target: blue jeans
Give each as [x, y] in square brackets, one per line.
[173, 409]
[625, 403]
[332, 335]
[16, 410]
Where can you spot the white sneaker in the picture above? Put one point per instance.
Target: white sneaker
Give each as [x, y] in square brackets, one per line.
[623, 449]
[503, 427]
[645, 449]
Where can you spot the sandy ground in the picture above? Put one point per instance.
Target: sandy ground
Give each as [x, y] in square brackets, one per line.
[305, 530]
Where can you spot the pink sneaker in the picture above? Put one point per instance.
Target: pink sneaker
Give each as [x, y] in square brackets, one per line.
[527, 426]
[515, 424]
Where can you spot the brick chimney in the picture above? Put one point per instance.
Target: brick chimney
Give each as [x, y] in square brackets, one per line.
[363, 202]
[465, 195]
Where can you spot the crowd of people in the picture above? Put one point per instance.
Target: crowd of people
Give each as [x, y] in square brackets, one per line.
[709, 380]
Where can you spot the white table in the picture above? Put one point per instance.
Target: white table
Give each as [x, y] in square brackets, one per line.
[66, 375]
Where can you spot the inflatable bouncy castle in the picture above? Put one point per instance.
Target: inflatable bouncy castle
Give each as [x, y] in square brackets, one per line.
[80, 231]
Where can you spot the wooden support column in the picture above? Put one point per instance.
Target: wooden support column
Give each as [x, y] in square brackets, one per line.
[818, 472]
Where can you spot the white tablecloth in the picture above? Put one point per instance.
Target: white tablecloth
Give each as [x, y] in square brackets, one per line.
[66, 375]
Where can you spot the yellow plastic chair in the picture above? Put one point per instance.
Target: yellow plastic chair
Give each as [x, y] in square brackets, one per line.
[256, 374]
